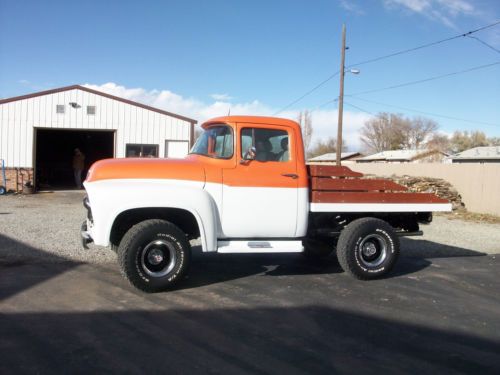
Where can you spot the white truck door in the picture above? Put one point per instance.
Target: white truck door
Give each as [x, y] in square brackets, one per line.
[260, 196]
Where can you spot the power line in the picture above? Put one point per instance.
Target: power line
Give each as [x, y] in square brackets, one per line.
[483, 42]
[425, 79]
[308, 93]
[359, 108]
[425, 113]
[468, 33]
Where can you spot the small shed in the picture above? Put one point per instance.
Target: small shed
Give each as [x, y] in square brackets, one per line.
[405, 156]
[39, 133]
[332, 157]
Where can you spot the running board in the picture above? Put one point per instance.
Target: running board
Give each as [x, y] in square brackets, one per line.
[259, 247]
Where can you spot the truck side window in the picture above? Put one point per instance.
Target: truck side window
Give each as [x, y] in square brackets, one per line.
[215, 142]
[270, 144]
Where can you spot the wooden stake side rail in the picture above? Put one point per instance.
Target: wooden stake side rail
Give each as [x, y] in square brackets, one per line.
[339, 184]
[355, 184]
[331, 171]
[370, 197]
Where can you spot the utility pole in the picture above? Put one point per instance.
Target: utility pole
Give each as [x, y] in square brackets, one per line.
[341, 97]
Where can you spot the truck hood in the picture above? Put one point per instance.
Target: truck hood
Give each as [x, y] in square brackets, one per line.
[144, 168]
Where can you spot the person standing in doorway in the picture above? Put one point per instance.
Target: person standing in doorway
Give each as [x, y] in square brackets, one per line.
[78, 165]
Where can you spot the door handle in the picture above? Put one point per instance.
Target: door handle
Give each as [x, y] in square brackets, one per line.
[291, 175]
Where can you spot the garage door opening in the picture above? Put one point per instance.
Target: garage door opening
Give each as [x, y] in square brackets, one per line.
[54, 154]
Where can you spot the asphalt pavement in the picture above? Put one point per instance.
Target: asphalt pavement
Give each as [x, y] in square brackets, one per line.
[253, 314]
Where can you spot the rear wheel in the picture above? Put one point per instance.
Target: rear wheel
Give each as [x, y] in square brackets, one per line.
[154, 255]
[368, 248]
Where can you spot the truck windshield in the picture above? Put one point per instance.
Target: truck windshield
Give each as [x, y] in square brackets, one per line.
[215, 142]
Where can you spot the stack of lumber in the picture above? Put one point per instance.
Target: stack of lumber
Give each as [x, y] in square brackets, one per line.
[440, 187]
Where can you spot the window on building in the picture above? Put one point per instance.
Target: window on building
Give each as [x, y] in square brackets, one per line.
[141, 151]
[270, 144]
[91, 110]
[60, 108]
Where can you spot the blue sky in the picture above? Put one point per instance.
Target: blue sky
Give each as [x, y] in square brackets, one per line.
[200, 58]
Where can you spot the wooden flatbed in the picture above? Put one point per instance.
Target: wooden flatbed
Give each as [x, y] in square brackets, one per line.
[340, 189]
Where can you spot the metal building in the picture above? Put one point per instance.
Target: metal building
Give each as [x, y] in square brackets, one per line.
[39, 132]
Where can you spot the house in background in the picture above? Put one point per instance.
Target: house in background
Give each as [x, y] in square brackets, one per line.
[345, 157]
[405, 156]
[39, 132]
[478, 155]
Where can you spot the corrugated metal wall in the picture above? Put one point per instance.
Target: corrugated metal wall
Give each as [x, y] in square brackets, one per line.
[132, 124]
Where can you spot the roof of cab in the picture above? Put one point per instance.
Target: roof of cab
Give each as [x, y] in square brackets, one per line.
[252, 120]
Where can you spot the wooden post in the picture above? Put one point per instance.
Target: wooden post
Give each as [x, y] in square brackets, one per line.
[341, 98]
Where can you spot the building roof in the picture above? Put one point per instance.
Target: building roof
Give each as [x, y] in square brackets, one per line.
[399, 155]
[332, 156]
[491, 152]
[83, 88]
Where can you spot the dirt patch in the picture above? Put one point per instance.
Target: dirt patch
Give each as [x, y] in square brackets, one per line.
[471, 216]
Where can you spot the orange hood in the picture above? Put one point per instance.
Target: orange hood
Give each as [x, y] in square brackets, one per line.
[144, 168]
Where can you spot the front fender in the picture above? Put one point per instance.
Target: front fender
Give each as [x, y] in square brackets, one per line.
[109, 198]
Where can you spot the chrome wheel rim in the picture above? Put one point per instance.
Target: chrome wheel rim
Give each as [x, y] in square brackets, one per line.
[158, 258]
[373, 250]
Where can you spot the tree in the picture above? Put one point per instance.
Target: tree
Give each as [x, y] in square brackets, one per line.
[325, 146]
[389, 131]
[461, 141]
[439, 142]
[384, 132]
[417, 130]
[494, 141]
[304, 120]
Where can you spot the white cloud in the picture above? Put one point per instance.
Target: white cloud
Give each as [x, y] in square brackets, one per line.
[24, 82]
[221, 97]
[444, 11]
[324, 120]
[351, 6]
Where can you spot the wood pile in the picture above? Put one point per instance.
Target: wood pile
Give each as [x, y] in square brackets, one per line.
[440, 187]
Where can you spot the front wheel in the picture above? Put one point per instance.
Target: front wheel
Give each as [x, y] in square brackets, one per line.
[368, 248]
[154, 255]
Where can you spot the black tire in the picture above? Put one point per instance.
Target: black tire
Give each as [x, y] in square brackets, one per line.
[154, 255]
[368, 248]
[318, 249]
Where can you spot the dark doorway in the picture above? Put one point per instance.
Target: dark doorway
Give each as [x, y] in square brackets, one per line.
[54, 154]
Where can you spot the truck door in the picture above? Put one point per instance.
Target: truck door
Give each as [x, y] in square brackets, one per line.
[260, 195]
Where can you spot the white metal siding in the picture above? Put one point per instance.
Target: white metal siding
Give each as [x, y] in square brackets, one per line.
[132, 124]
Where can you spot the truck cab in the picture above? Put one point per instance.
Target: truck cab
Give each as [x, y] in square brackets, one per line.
[256, 174]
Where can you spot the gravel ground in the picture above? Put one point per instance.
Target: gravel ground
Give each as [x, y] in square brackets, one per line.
[45, 227]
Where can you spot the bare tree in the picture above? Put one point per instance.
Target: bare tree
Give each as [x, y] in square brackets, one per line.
[389, 131]
[494, 141]
[304, 120]
[417, 131]
[461, 141]
[325, 146]
[439, 142]
[384, 132]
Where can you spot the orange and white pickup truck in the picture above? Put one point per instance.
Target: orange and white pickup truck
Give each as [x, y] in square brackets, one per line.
[245, 188]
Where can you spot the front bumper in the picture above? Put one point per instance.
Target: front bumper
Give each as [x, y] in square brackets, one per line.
[84, 232]
[85, 235]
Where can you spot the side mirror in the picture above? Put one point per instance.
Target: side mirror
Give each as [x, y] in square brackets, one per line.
[250, 154]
